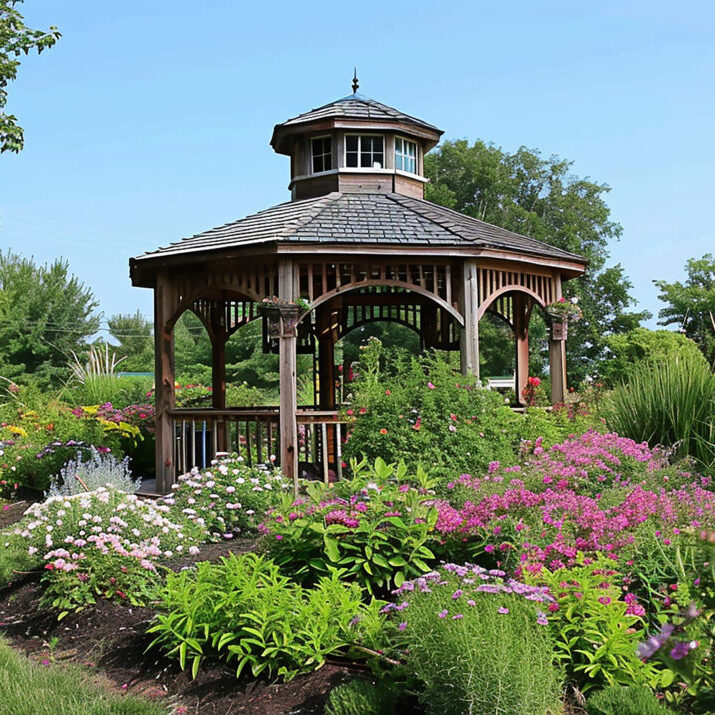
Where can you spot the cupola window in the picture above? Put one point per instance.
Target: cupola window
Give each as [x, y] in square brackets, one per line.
[365, 151]
[405, 155]
[322, 153]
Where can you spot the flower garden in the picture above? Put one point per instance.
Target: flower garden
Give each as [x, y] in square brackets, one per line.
[474, 559]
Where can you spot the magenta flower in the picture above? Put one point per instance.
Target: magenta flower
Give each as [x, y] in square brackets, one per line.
[443, 614]
[503, 610]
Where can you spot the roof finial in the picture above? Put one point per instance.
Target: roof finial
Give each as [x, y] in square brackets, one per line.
[356, 84]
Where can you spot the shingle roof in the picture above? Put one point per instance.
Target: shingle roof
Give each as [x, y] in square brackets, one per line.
[356, 106]
[361, 218]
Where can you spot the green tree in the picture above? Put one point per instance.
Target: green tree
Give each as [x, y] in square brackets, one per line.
[15, 39]
[626, 349]
[134, 333]
[539, 197]
[45, 313]
[691, 305]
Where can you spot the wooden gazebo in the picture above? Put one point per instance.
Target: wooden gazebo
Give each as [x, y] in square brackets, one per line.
[356, 243]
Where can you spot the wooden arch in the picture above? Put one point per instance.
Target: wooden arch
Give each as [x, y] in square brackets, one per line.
[513, 288]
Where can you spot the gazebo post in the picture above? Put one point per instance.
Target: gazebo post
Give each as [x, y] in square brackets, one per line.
[164, 383]
[469, 338]
[218, 385]
[557, 363]
[287, 383]
[521, 335]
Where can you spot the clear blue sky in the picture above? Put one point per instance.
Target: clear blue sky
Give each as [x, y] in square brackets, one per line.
[150, 121]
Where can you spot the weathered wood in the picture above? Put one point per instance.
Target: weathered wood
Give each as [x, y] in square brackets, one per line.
[287, 382]
[164, 306]
[469, 341]
[521, 338]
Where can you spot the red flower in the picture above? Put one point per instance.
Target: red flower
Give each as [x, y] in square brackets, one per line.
[383, 431]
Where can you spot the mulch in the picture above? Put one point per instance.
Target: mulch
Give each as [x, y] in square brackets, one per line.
[111, 638]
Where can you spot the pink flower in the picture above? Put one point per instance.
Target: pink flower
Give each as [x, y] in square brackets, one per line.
[605, 600]
[430, 385]
[503, 610]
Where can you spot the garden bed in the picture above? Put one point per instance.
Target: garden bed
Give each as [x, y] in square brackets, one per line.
[112, 638]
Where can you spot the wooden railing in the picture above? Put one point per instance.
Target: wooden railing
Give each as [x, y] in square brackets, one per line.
[254, 434]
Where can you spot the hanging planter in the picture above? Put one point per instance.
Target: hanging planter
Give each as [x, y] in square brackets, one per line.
[282, 316]
[563, 312]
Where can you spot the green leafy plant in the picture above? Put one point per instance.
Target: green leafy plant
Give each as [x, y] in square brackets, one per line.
[595, 637]
[375, 528]
[243, 611]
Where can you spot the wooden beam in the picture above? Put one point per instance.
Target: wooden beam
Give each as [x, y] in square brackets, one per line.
[557, 364]
[521, 336]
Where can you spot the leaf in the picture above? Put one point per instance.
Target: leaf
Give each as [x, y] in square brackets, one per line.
[331, 547]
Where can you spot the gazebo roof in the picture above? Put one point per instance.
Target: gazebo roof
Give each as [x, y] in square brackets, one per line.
[361, 219]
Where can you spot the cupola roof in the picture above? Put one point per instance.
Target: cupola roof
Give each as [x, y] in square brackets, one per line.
[353, 108]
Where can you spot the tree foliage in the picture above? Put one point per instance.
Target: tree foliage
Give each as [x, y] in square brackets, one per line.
[134, 333]
[539, 197]
[15, 39]
[691, 305]
[45, 313]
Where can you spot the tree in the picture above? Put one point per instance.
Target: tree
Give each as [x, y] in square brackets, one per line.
[16, 38]
[44, 315]
[691, 305]
[538, 197]
[134, 333]
[632, 347]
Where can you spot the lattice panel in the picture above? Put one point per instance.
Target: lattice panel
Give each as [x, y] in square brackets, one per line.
[318, 279]
[497, 282]
[229, 315]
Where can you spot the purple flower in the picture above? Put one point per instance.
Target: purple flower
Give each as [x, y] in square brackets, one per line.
[680, 650]
[443, 614]
[457, 617]
[402, 626]
[541, 618]
[503, 610]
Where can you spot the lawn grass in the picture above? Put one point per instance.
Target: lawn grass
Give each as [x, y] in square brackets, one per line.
[28, 688]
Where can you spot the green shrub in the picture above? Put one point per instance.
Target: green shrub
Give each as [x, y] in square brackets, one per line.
[419, 410]
[243, 611]
[625, 700]
[640, 345]
[361, 697]
[228, 497]
[477, 643]
[13, 557]
[668, 402]
[375, 527]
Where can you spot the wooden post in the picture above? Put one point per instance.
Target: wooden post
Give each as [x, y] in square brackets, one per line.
[218, 386]
[164, 383]
[287, 350]
[557, 356]
[469, 338]
[521, 336]
[557, 363]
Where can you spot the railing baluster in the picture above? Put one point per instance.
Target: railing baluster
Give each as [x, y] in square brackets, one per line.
[324, 449]
[339, 450]
[193, 443]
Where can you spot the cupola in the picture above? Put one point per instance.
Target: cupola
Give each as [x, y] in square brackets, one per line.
[355, 144]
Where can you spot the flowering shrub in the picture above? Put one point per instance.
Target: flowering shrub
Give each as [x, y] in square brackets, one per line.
[243, 611]
[595, 631]
[533, 393]
[377, 531]
[477, 642]
[228, 497]
[101, 544]
[420, 410]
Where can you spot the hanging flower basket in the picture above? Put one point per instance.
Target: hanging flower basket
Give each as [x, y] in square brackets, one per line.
[282, 316]
[564, 311]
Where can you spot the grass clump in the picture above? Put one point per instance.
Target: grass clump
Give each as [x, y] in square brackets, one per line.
[28, 688]
[668, 402]
[619, 700]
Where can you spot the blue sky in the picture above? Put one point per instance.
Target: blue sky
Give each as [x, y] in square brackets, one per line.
[150, 121]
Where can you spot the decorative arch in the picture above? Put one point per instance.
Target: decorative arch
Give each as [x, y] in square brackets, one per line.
[505, 290]
[385, 282]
